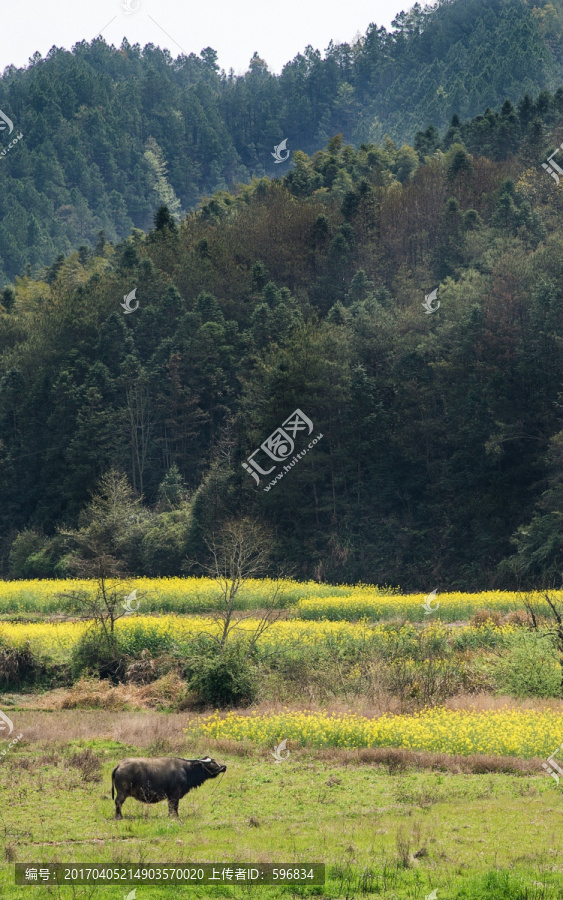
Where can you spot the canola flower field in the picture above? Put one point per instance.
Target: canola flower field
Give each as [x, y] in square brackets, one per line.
[157, 595]
[521, 733]
[364, 603]
[308, 600]
[165, 633]
[358, 619]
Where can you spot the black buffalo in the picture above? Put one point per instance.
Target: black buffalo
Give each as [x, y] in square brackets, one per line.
[153, 780]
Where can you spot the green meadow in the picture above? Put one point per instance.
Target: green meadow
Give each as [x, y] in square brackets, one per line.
[383, 831]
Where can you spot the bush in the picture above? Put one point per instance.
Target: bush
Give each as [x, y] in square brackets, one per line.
[226, 678]
[425, 682]
[529, 667]
[18, 666]
[483, 617]
[95, 655]
[147, 669]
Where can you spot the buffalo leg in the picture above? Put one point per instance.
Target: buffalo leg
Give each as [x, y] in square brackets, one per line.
[173, 807]
[119, 800]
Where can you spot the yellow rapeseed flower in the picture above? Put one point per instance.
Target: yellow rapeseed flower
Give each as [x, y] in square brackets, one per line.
[508, 732]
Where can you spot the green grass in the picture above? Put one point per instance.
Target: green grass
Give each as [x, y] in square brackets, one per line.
[486, 836]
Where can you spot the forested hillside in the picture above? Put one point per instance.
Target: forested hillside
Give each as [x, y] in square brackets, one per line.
[441, 431]
[111, 134]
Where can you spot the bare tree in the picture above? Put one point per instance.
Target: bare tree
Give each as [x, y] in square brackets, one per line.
[107, 601]
[239, 552]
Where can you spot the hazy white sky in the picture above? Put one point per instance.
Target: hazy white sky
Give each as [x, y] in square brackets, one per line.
[277, 29]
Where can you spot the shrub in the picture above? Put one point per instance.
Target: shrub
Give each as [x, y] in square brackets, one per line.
[424, 683]
[225, 678]
[96, 655]
[529, 667]
[169, 691]
[18, 666]
[483, 617]
[148, 669]
[518, 617]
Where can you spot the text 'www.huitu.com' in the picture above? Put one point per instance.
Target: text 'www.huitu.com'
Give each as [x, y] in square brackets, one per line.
[295, 459]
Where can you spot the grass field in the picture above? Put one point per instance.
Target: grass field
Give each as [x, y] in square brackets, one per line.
[415, 741]
[383, 835]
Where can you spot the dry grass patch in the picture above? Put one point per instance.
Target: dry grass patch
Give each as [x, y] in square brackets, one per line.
[234, 748]
[140, 728]
[169, 691]
[399, 760]
[60, 698]
[88, 763]
[482, 702]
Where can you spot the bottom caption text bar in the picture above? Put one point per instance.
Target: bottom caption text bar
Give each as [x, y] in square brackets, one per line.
[170, 873]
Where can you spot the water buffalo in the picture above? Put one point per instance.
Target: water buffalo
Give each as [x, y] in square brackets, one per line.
[153, 780]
